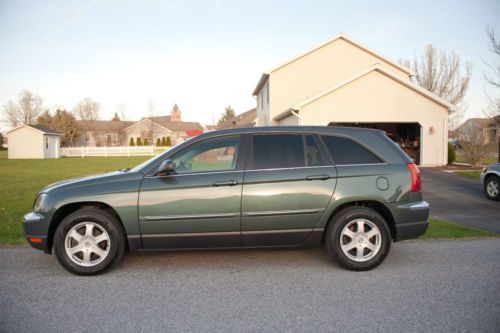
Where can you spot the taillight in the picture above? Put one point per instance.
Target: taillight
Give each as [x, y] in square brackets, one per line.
[416, 181]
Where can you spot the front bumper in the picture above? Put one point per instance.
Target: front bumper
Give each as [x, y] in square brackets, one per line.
[411, 220]
[32, 223]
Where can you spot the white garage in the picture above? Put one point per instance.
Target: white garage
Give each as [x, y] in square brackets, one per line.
[33, 141]
[342, 83]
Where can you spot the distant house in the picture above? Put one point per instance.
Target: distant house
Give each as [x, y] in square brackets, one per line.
[245, 119]
[33, 141]
[120, 133]
[489, 126]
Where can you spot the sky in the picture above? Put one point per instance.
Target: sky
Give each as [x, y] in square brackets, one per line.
[204, 55]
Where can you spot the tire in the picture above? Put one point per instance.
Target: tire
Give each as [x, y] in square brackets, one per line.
[89, 241]
[492, 188]
[372, 244]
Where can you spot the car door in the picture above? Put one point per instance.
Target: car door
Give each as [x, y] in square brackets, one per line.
[287, 186]
[199, 205]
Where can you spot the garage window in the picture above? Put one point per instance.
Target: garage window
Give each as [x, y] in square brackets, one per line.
[46, 143]
[345, 151]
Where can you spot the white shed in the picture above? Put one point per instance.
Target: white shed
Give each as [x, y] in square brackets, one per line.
[33, 141]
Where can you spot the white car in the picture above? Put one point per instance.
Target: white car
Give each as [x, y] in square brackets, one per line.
[490, 177]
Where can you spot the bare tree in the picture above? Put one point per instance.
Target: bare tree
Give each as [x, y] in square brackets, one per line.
[27, 109]
[475, 149]
[493, 76]
[88, 109]
[442, 73]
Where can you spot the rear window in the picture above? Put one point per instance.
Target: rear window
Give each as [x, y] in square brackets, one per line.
[278, 151]
[347, 151]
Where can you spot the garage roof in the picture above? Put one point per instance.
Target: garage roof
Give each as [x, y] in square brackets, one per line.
[378, 68]
[39, 128]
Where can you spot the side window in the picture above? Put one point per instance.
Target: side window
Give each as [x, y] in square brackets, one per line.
[278, 151]
[346, 151]
[212, 155]
[313, 154]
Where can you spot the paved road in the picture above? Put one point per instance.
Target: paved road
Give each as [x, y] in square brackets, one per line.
[426, 286]
[459, 199]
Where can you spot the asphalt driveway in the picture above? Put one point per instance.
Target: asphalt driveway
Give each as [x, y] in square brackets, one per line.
[459, 199]
[424, 286]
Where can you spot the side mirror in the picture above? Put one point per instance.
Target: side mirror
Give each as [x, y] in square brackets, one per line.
[166, 167]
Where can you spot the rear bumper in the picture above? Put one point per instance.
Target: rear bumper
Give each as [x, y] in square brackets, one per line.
[31, 225]
[411, 219]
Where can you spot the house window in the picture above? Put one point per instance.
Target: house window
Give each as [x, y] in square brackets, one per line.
[46, 143]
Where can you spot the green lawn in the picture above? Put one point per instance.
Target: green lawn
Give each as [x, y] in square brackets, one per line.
[469, 174]
[20, 180]
[442, 229]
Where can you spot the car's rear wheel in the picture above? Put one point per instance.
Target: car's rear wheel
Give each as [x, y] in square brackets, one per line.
[89, 241]
[492, 188]
[358, 238]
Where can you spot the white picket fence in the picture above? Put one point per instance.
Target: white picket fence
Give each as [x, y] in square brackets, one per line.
[107, 151]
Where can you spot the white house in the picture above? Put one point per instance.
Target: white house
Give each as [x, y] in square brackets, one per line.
[33, 141]
[342, 82]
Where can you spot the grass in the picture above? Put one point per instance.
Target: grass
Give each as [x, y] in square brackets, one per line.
[446, 230]
[469, 174]
[20, 180]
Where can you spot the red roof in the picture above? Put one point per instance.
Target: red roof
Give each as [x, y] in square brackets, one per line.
[193, 132]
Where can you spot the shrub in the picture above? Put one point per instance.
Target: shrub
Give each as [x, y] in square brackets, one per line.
[452, 155]
[163, 142]
[131, 143]
[158, 142]
[139, 141]
[168, 142]
[146, 143]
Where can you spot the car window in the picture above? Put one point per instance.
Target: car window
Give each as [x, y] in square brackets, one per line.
[211, 155]
[273, 151]
[313, 153]
[347, 151]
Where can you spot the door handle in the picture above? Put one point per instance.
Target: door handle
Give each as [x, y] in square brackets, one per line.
[318, 177]
[225, 183]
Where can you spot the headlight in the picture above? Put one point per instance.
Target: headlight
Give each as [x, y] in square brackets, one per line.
[40, 203]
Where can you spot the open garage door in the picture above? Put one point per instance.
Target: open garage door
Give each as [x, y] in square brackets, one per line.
[406, 135]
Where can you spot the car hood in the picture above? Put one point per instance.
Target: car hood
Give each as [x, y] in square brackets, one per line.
[90, 180]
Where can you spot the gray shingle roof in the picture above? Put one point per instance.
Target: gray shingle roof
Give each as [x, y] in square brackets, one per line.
[44, 129]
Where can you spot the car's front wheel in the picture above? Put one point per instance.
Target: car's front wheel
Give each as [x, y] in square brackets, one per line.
[358, 238]
[492, 188]
[89, 241]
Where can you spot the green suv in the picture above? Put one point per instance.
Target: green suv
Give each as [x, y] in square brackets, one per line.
[352, 189]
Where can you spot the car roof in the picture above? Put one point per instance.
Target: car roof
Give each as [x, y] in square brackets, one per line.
[292, 129]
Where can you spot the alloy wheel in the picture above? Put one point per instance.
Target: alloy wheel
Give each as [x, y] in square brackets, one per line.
[87, 244]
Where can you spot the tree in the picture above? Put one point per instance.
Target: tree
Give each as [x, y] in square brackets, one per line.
[163, 142]
[493, 77]
[64, 122]
[168, 142]
[45, 119]
[139, 141]
[26, 110]
[228, 114]
[474, 149]
[158, 142]
[1, 141]
[122, 111]
[146, 143]
[131, 143]
[442, 73]
[115, 117]
[87, 109]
